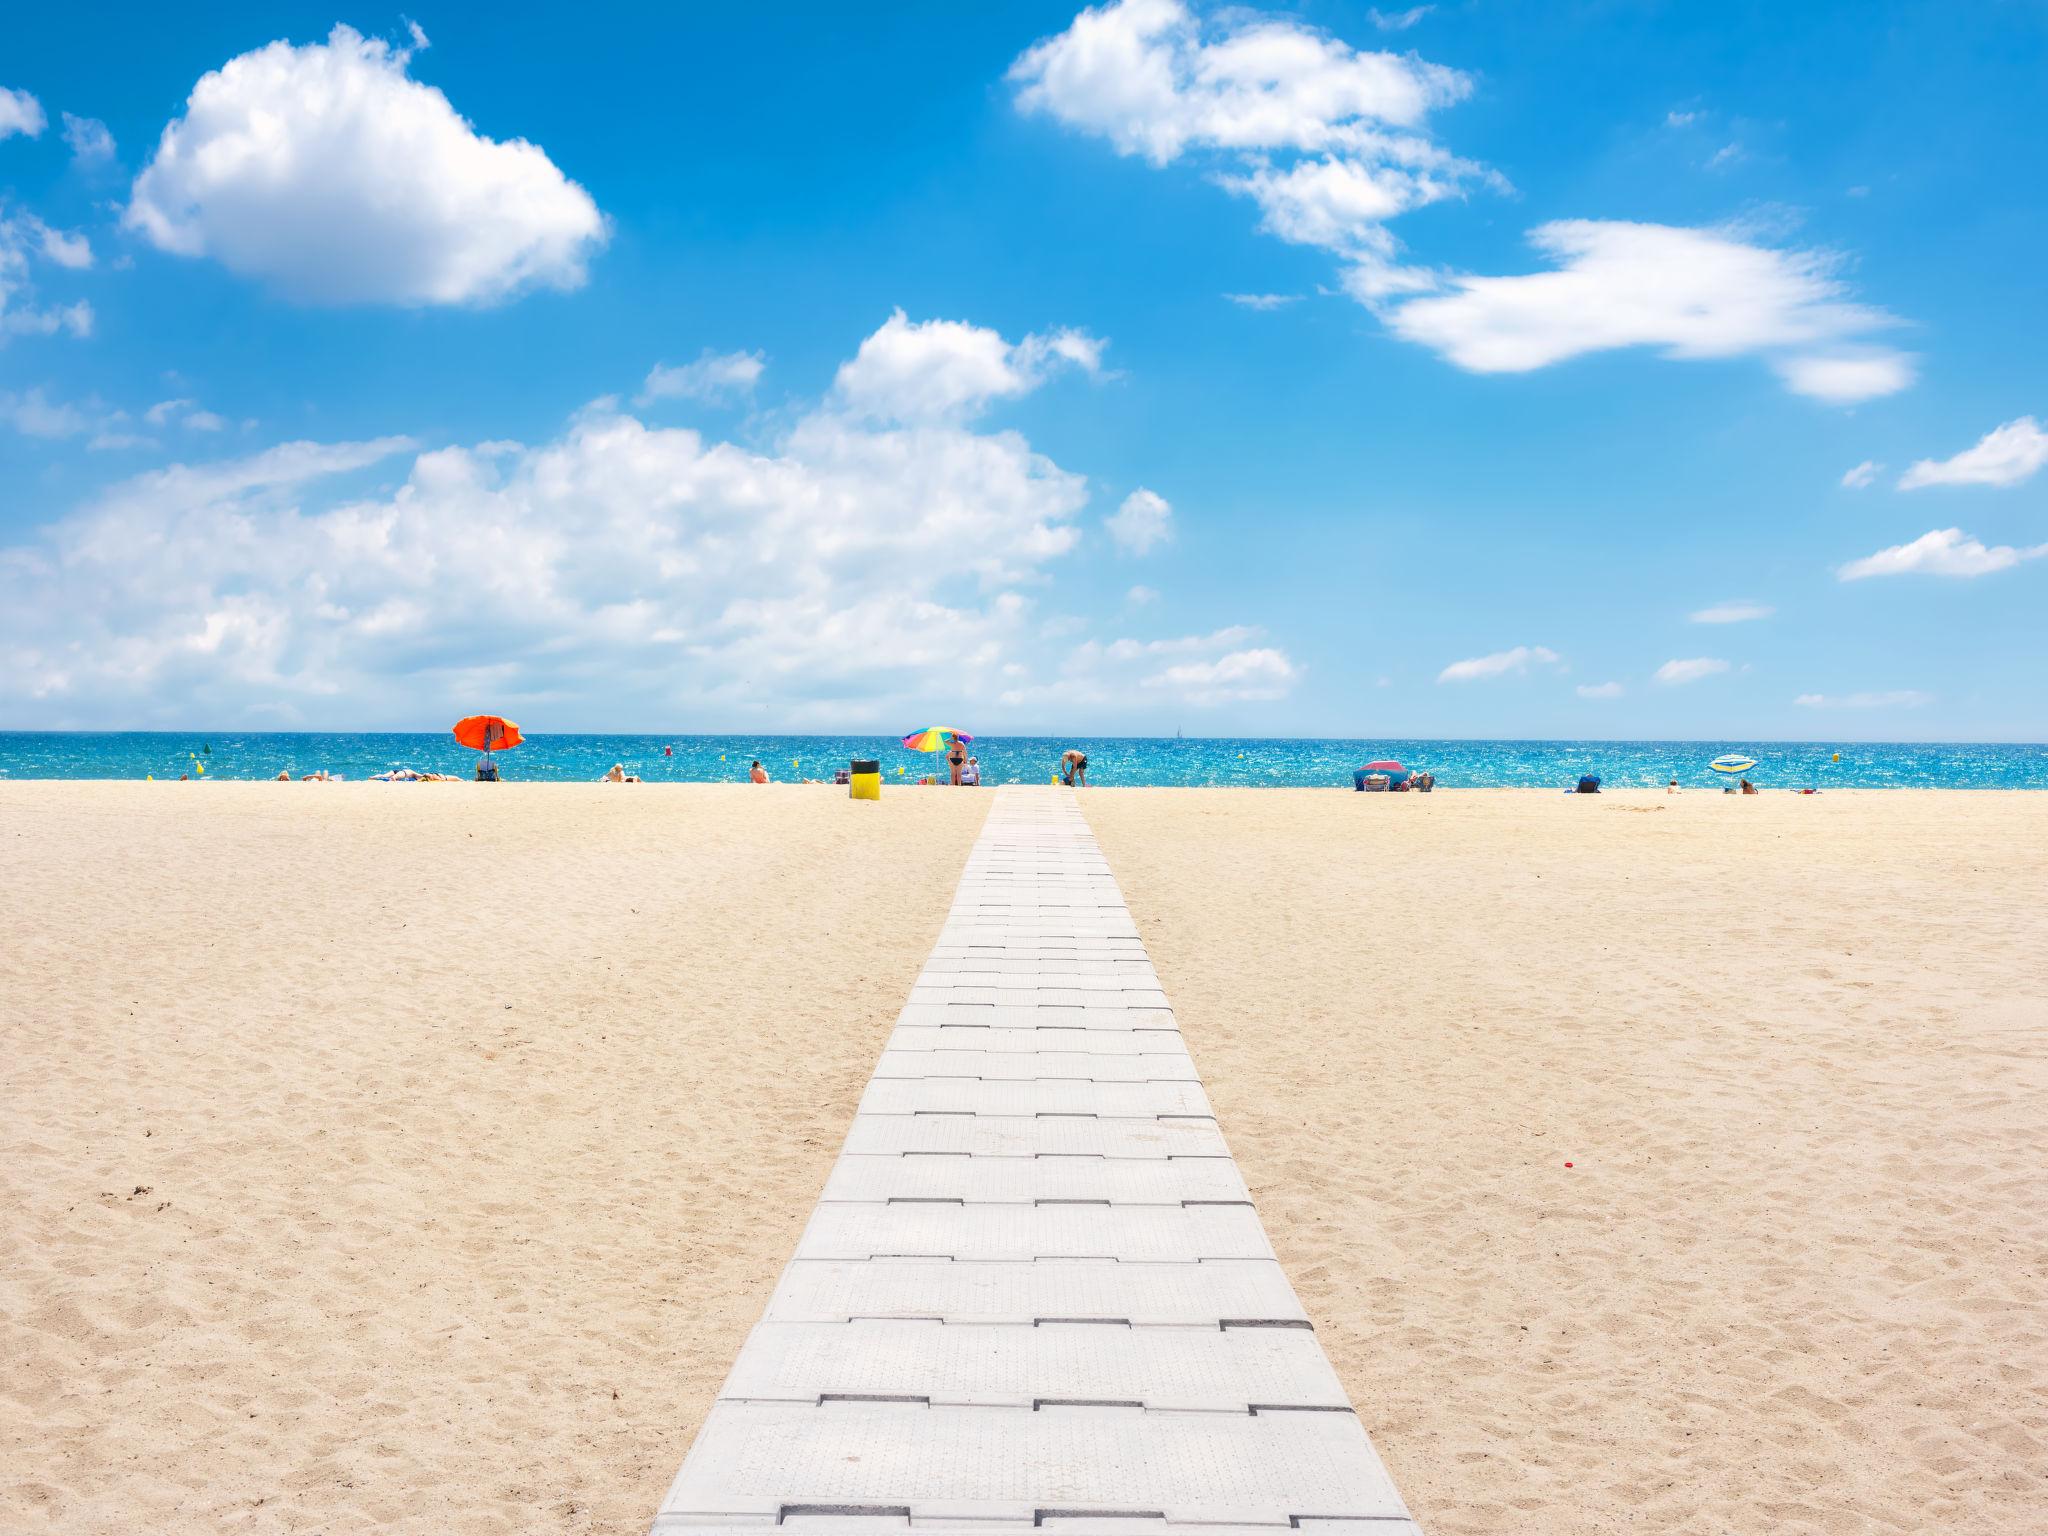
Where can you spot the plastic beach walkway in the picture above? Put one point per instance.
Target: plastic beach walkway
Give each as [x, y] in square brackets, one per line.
[1034, 1292]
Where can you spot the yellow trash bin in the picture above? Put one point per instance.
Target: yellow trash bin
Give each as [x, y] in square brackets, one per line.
[866, 779]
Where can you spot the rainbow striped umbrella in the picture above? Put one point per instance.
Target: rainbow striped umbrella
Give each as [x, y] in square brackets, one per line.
[1732, 762]
[935, 738]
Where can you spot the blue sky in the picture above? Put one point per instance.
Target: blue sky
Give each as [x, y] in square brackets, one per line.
[1480, 369]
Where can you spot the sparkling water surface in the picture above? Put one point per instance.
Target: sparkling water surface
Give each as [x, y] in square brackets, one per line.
[1112, 760]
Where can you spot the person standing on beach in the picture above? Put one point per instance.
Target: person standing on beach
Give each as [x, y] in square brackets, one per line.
[955, 760]
[1074, 769]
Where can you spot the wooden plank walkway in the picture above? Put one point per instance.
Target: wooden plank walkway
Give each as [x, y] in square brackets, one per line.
[1035, 1291]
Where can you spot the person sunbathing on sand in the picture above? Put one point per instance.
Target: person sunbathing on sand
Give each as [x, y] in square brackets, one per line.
[618, 775]
[757, 774]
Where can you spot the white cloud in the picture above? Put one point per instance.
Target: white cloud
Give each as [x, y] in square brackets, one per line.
[1144, 520]
[90, 142]
[846, 572]
[32, 414]
[949, 370]
[1141, 596]
[1326, 138]
[1724, 157]
[1221, 667]
[1142, 74]
[328, 172]
[24, 241]
[1941, 552]
[1690, 670]
[1499, 663]
[2005, 455]
[1677, 119]
[1692, 293]
[1399, 21]
[1863, 474]
[1896, 698]
[714, 376]
[65, 248]
[185, 413]
[1600, 690]
[1738, 610]
[1342, 204]
[1260, 673]
[20, 113]
[1843, 378]
[1263, 301]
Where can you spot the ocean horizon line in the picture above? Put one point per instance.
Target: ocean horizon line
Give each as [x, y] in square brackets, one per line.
[1185, 761]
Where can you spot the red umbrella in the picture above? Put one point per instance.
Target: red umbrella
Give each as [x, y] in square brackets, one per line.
[487, 733]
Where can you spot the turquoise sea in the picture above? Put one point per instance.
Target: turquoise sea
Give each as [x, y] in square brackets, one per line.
[1030, 760]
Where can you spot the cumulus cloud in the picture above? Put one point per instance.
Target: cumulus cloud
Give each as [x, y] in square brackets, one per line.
[185, 413]
[1499, 664]
[33, 414]
[1843, 378]
[949, 370]
[1690, 670]
[2005, 455]
[1259, 673]
[26, 242]
[91, 142]
[1691, 293]
[1144, 521]
[1896, 698]
[1325, 138]
[330, 173]
[1148, 76]
[846, 572]
[1739, 610]
[20, 113]
[1141, 596]
[713, 377]
[1940, 552]
[1332, 144]
[1223, 666]
[1862, 475]
[1600, 690]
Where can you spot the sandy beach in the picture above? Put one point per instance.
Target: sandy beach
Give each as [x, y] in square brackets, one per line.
[415, 1158]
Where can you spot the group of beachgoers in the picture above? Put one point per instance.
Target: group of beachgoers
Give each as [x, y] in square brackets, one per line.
[963, 771]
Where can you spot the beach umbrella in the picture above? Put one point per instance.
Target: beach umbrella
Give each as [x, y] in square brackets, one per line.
[487, 733]
[1732, 762]
[1385, 765]
[935, 738]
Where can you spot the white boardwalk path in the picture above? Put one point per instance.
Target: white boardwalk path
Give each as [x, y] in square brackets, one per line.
[1034, 1292]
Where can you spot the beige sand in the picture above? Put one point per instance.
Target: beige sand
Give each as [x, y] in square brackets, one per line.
[1794, 1049]
[415, 1157]
[302, 1229]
